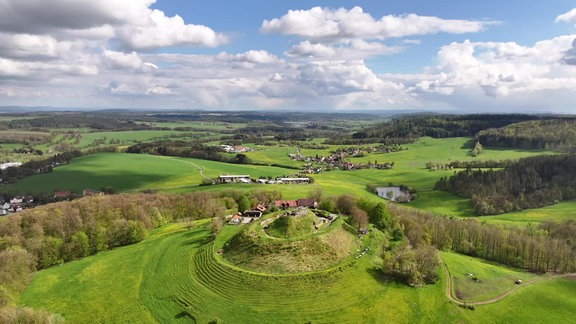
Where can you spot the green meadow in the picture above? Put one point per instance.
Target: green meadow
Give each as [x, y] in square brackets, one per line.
[176, 276]
[128, 172]
[477, 280]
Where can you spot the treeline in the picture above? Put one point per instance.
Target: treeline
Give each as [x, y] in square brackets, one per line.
[77, 120]
[474, 164]
[410, 128]
[551, 134]
[193, 149]
[280, 132]
[28, 138]
[529, 183]
[29, 168]
[549, 246]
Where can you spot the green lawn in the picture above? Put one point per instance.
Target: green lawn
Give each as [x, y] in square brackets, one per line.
[544, 302]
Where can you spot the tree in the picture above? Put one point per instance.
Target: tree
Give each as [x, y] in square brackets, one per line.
[477, 150]
[344, 203]
[243, 204]
[242, 159]
[380, 216]
[359, 218]
[80, 245]
[17, 267]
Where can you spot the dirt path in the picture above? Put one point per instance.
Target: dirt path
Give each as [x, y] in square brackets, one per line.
[199, 167]
[457, 301]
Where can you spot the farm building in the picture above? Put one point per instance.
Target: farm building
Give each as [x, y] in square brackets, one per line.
[293, 180]
[244, 178]
[252, 213]
[236, 219]
[284, 204]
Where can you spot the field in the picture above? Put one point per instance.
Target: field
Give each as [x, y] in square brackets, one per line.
[479, 280]
[126, 172]
[130, 172]
[175, 276]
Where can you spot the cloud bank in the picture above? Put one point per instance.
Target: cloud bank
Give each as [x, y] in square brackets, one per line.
[108, 53]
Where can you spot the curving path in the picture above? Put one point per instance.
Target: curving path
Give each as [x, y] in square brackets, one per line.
[457, 301]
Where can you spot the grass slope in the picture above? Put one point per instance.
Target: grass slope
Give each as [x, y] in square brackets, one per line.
[289, 226]
[132, 172]
[291, 245]
[174, 276]
[492, 280]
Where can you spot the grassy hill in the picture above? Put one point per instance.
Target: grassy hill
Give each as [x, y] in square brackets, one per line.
[175, 276]
[290, 226]
[294, 246]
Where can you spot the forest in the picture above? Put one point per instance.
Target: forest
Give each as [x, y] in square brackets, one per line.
[529, 183]
[538, 248]
[550, 134]
[408, 128]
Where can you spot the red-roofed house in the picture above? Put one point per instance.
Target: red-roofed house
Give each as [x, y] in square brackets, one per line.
[283, 204]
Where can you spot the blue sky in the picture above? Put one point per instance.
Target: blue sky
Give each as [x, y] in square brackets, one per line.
[497, 56]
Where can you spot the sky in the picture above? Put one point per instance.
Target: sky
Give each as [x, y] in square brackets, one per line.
[443, 55]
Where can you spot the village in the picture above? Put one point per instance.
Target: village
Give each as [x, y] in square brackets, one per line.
[337, 159]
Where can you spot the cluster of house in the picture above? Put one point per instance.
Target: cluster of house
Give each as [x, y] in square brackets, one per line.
[258, 210]
[245, 178]
[15, 204]
[235, 148]
[336, 161]
[19, 203]
[247, 216]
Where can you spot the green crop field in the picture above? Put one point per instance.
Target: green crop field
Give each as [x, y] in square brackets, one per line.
[175, 276]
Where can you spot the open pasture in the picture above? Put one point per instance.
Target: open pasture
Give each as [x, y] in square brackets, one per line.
[126, 172]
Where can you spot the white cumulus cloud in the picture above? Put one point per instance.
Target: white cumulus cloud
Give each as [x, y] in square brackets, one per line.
[326, 23]
[568, 17]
